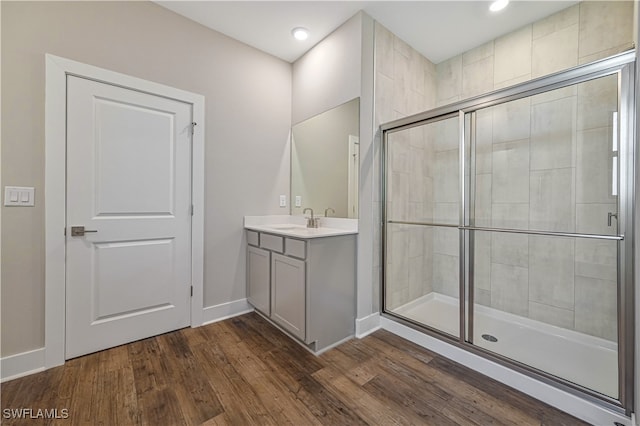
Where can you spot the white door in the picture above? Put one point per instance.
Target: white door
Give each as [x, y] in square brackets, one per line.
[129, 185]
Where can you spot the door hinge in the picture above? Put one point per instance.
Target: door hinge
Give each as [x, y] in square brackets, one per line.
[191, 291]
[65, 231]
[193, 127]
[192, 209]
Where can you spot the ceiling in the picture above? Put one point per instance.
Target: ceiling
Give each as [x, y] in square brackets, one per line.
[437, 29]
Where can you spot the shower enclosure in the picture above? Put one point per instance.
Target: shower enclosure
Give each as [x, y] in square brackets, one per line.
[507, 227]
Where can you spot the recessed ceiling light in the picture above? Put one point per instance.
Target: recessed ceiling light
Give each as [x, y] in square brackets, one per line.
[498, 5]
[300, 33]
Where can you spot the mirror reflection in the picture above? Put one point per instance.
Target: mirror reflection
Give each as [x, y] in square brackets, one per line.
[325, 162]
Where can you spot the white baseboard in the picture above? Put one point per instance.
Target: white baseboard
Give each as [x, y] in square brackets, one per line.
[367, 325]
[22, 364]
[569, 403]
[223, 311]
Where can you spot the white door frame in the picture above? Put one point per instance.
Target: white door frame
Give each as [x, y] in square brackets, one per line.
[57, 69]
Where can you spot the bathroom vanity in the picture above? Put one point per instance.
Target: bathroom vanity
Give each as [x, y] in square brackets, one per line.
[303, 279]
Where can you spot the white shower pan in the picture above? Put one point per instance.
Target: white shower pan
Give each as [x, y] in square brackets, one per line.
[586, 360]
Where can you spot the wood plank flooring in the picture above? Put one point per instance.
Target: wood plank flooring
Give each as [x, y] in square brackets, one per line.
[243, 371]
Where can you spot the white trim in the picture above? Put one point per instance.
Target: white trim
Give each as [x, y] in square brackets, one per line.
[367, 325]
[225, 311]
[56, 71]
[572, 404]
[22, 364]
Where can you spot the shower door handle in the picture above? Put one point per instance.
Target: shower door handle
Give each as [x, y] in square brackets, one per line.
[610, 216]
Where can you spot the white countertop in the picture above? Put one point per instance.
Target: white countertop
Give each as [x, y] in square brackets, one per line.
[295, 226]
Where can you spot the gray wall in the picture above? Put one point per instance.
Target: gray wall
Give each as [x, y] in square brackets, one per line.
[248, 116]
[328, 75]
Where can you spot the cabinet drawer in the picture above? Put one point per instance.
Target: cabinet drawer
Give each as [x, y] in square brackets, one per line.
[253, 238]
[295, 248]
[272, 242]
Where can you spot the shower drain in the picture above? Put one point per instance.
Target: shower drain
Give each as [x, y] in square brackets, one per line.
[489, 338]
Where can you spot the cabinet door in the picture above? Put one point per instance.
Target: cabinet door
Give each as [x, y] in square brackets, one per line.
[258, 276]
[288, 294]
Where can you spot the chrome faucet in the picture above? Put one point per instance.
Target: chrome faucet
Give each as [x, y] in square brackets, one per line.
[326, 214]
[311, 221]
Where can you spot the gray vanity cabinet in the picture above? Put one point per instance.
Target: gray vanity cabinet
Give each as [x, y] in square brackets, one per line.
[258, 287]
[288, 294]
[305, 286]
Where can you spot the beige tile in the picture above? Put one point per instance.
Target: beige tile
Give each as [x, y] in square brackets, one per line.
[416, 241]
[401, 83]
[510, 215]
[483, 200]
[594, 167]
[605, 53]
[552, 200]
[397, 295]
[428, 66]
[384, 99]
[446, 241]
[399, 195]
[416, 72]
[510, 182]
[509, 289]
[430, 89]
[448, 101]
[553, 134]
[512, 121]
[449, 79]
[482, 297]
[446, 213]
[551, 315]
[604, 24]
[482, 260]
[446, 135]
[416, 277]
[477, 78]
[593, 218]
[512, 55]
[510, 249]
[596, 259]
[597, 100]
[417, 137]
[384, 50]
[446, 182]
[553, 95]
[401, 46]
[397, 244]
[484, 140]
[596, 307]
[555, 52]
[446, 273]
[511, 81]
[399, 151]
[558, 21]
[478, 53]
[551, 274]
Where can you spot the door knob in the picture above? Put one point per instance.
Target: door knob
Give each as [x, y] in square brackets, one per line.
[79, 231]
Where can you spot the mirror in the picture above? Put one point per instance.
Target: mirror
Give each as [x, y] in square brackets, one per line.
[325, 161]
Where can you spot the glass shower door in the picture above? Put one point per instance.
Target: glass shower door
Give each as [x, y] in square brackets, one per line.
[422, 282]
[544, 244]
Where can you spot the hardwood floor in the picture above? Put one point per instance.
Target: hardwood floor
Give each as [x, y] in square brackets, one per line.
[243, 371]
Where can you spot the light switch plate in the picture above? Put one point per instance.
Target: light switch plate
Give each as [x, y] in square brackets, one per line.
[19, 196]
[283, 201]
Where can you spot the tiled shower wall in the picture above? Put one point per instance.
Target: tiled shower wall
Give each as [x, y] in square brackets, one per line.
[581, 34]
[565, 282]
[405, 85]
